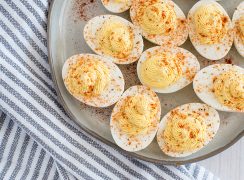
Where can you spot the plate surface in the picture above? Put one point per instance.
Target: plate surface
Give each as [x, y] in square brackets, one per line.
[65, 32]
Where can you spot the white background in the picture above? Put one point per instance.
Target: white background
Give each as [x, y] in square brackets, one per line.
[228, 165]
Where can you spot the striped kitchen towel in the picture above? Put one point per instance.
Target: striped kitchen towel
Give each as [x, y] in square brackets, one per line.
[37, 138]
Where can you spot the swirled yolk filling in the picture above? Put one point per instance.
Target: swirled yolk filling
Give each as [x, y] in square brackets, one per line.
[229, 89]
[161, 70]
[136, 115]
[184, 132]
[115, 39]
[210, 24]
[241, 28]
[87, 78]
[157, 17]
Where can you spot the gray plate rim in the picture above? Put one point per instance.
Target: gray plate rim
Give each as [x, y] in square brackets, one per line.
[97, 136]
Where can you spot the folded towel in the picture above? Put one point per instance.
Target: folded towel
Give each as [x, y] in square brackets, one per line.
[37, 138]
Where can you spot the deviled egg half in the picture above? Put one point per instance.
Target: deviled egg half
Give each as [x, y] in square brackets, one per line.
[167, 70]
[93, 80]
[161, 21]
[135, 118]
[221, 86]
[116, 6]
[238, 23]
[115, 38]
[210, 29]
[187, 128]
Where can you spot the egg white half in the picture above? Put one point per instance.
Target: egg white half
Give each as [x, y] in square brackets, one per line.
[179, 36]
[214, 51]
[116, 7]
[212, 121]
[114, 90]
[96, 23]
[138, 142]
[190, 67]
[239, 12]
[203, 84]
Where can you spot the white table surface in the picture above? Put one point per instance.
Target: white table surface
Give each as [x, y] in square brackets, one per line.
[228, 165]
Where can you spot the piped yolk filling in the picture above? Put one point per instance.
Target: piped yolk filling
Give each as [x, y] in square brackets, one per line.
[161, 70]
[136, 115]
[229, 89]
[184, 133]
[156, 17]
[115, 39]
[210, 24]
[87, 78]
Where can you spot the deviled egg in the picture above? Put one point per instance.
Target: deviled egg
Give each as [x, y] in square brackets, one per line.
[210, 29]
[187, 128]
[116, 6]
[93, 80]
[167, 70]
[221, 86]
[135, 118]
[115, 38]
[161, 21]
[238, 23]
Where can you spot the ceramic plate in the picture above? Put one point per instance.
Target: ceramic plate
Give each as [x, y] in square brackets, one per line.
[65, 32]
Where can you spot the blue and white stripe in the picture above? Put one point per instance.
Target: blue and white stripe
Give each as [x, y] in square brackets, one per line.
[37, 138]
[24, 153]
